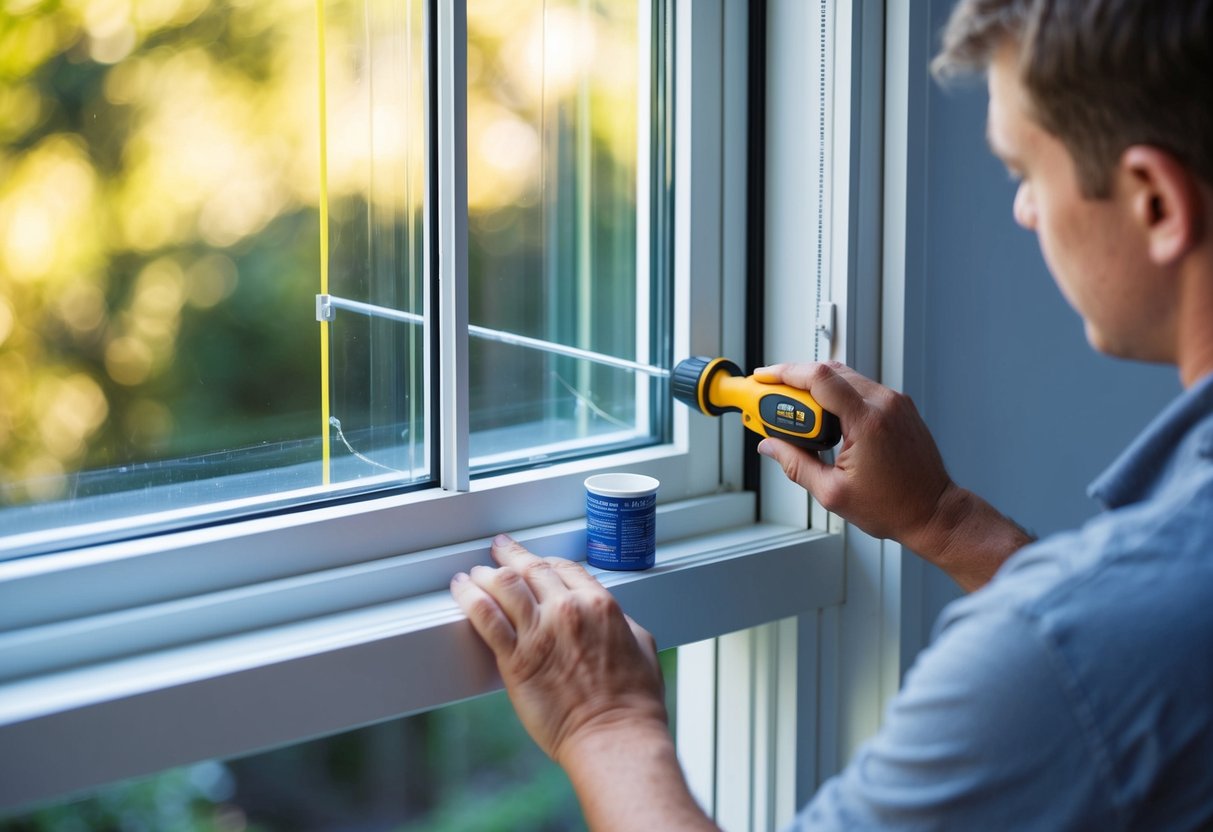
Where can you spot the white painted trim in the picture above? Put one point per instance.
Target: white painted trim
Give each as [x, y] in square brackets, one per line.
[735, 730]
[845, 657]
[644, 214]
[698, 225]
[711, 75]
[896, 133]
[38, 646]
[163, 567]
[695, 724]
[453, 246]
[866, 631]
[792, 179]
[900, 341]
[250, 690]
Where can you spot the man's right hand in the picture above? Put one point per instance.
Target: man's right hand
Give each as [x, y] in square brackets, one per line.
[888, 478]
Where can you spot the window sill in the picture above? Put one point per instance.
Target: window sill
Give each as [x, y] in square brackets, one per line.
[76, 727]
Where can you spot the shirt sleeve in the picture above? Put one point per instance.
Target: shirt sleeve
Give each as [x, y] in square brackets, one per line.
[983, 735]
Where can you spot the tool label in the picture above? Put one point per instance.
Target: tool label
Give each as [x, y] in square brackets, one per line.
[787, 414]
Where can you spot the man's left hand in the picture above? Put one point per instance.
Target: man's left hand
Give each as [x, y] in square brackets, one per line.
[573, 663]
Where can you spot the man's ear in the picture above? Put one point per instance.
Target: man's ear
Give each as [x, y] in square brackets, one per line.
[1165, 200]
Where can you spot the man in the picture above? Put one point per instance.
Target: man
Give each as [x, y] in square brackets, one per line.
[1073, 688]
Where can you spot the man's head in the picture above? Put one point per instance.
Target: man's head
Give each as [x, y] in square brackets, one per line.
[1101, 75]
[1103, 110]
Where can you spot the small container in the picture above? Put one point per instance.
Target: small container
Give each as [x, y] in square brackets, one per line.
[621, 521]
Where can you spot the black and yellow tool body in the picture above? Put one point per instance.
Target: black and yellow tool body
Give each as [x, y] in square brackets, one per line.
[716, 385]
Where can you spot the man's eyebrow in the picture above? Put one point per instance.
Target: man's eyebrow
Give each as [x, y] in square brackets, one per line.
[1002, 153]
[992, 142]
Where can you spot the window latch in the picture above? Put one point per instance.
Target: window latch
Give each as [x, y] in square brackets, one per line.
[826, 316]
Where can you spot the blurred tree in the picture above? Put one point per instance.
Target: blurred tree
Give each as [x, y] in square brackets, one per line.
[158, 233]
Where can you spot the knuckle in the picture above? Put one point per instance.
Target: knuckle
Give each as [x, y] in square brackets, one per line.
[566, 608]
[895, 403]
[535, 567]
[535, 659]
[568, 567]
[507, 577]
[603, 605]
[481, 608]
[791, 467]
[822, 371]
[906, 404]
[562, 564]
[539, 646]
[498, 635]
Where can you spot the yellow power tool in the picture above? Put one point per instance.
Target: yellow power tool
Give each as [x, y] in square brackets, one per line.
[716, 385]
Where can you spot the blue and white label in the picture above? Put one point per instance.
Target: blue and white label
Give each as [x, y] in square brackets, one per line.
[621, 532]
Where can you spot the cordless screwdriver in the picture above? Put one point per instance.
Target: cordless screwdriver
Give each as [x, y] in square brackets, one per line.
[716, 385]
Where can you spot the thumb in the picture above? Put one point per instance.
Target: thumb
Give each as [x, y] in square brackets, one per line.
[801, 467]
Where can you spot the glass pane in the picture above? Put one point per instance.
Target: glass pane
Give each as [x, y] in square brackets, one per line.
[160, 240]
[561, 118]
[468, 767]
[376, 184]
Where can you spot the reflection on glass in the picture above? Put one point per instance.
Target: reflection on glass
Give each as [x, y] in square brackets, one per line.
[559, 130]
[159, 245]
[376, 182]
[166, 223]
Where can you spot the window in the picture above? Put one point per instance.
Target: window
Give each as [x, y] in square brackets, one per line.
[187, 197]
[214, 639]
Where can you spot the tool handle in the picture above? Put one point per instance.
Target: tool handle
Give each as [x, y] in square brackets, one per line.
[831, 432]
[777, 410]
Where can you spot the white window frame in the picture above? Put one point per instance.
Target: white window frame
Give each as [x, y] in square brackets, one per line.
[766, 715]
[126, 658]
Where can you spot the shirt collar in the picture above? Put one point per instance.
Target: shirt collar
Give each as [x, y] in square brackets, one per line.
[1142, 466]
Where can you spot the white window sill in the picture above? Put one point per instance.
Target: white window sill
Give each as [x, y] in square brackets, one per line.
[129, 693]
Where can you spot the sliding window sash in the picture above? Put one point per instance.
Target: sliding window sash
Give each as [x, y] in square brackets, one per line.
[452, 244]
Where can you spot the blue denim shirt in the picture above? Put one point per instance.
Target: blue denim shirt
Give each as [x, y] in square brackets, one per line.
[1075, 690]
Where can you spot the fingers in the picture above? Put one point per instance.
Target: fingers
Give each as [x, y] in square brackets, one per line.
[835, 386]
[485, 614]
[574, 575]
[799, 466]
[509, 552]
[504, 603]
[512, 594]
[547, 577]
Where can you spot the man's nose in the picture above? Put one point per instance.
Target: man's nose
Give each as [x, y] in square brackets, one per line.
[1024, 207]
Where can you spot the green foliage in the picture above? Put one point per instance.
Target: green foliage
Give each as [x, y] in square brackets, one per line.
[181, 800]
[545, 803]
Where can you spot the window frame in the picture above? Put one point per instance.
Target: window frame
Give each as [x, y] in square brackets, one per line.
[768, 714]
[129, 657]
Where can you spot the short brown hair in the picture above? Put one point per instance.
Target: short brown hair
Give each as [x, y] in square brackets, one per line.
[1101, 75]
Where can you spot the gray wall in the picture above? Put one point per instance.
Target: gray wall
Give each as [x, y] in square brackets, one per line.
[1024, 411]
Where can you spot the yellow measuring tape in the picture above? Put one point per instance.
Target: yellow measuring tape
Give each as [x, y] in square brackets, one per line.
[324, 246]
